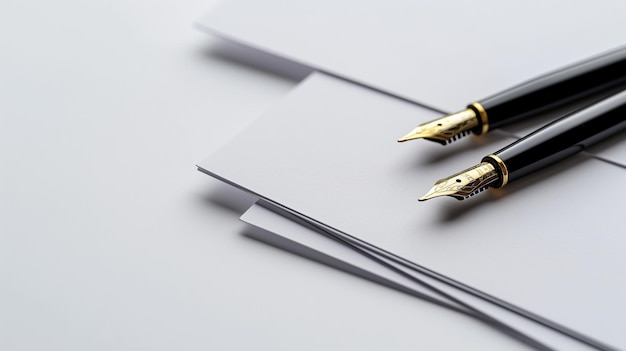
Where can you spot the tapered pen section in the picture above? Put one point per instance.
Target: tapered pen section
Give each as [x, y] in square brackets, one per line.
[464, 184]
[445, 129]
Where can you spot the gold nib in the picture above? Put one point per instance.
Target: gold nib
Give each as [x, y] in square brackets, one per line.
[445, 129]
[464, 184]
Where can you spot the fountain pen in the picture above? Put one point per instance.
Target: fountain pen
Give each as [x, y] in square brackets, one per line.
[560, 139]
[559, 88]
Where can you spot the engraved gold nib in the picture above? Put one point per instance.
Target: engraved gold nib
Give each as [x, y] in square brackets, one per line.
[445, 129]
[464, 184]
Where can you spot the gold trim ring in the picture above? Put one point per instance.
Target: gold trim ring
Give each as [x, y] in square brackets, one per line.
[483, 117]
[503, 170]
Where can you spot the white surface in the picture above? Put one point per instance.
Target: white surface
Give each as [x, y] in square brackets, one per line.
[285, 233]
[109, 237]
[442, 54]
[550, 242]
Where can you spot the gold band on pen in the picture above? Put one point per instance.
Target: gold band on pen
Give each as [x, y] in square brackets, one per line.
[483, 117]
[503, 170]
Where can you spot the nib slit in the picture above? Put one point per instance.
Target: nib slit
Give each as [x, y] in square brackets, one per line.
[446, 129]
[464, 184]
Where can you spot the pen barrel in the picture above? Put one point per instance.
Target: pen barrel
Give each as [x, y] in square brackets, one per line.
[564, 137]
[558, 88]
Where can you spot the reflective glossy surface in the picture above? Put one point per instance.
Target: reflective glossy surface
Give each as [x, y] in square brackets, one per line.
[565, 136]
[558, 88]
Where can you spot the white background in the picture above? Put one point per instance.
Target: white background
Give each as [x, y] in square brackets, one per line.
[110, 238]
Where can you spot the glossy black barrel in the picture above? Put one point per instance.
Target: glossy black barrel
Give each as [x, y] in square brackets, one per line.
[564, 137]
[558, 88]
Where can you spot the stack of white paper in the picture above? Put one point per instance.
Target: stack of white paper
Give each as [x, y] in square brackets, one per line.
[549, 247]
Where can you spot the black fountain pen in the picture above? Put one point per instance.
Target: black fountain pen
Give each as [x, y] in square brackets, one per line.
[547, 145]
[546, 92]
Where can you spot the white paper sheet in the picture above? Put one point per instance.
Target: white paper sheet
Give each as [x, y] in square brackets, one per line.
[551, 243]
[282, 232]
[442, 54]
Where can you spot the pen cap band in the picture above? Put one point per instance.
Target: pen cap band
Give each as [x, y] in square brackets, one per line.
[500, 166]
[483, 122]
